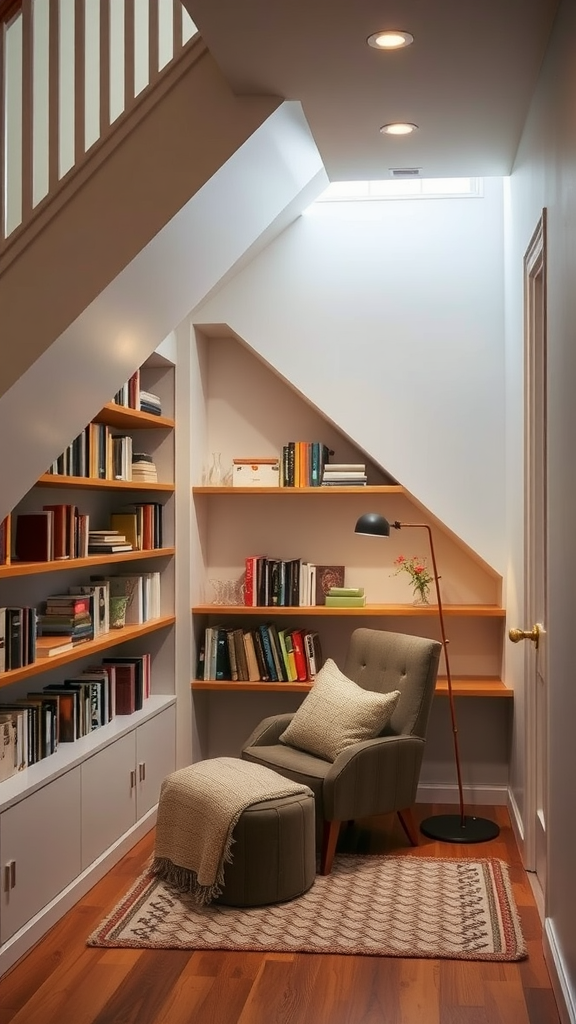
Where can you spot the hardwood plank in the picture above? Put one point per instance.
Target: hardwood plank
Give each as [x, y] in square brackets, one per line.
[144, 991]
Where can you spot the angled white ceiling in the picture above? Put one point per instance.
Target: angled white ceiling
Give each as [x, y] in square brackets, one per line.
[466, 81]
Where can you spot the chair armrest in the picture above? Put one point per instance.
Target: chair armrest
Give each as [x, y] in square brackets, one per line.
[267, 732]
[374, 777]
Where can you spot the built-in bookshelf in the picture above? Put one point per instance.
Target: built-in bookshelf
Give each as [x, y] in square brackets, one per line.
[100, 791]
[316, 524]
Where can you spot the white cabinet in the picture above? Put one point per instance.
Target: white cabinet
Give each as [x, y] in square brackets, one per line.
[108, 797]
[39, 850]
[155, 758]
[121, 783]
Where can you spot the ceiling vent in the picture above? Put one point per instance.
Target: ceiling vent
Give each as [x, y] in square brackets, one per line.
[405, 172]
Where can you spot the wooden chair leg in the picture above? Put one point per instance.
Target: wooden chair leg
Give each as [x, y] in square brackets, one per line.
[329, 840]
[409, 825]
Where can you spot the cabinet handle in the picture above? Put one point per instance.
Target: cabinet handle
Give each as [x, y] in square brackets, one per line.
[142, 770]
[9, 875]
[133, 779]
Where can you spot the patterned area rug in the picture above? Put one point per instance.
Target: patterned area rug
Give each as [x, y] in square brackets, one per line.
[371, 905]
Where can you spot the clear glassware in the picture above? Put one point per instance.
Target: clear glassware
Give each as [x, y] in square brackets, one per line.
[219, 587]
[215, 472]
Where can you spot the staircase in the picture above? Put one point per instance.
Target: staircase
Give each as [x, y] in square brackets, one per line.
[134, 179]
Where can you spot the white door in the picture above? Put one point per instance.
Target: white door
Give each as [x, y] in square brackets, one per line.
[536, 554]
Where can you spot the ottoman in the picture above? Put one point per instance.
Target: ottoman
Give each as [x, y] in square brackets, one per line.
[274, 853]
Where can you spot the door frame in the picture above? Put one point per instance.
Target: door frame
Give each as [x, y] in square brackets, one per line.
[535, 391]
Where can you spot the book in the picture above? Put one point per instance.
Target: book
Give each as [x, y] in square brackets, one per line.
[297, 637]
[34, 537]
[345, 601]
[68, 711]
[287, 651]
[8, 733]
[49, 646]
[99, 606]
[327, 576]
[251, 659]
[61, 534]
[137, 663]
[269, 660]
[313, 651]
[346, 591]
[344, 467]
[126, 524]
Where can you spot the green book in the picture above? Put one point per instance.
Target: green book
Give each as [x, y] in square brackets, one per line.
[341, 601]
[346, 592]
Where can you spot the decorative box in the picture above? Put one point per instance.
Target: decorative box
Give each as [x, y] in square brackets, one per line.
[256, 473]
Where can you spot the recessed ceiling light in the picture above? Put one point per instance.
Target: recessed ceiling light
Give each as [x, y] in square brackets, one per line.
[391, 39]
[399, 128]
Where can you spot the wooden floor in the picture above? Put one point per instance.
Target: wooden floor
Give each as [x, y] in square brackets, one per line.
[62, 981]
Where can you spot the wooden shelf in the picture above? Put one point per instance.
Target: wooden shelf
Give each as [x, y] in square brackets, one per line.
[111, 639]
[464, 687]
[122, 417]
[36, 568]
[370, 610]
[302, 492]
[54, 480]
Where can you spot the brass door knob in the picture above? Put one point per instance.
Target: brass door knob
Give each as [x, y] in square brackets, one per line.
[515, 635]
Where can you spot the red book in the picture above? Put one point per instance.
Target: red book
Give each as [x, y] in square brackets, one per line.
[34, 532]
[250, 582]
[299, 655]
[125, 687]
[61, 542]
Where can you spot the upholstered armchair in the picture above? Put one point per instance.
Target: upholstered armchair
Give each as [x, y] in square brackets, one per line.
[373, 776]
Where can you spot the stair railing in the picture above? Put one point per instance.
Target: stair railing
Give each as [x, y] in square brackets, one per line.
[70, 72]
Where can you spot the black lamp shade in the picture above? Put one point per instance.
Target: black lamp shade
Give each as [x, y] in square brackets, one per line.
[372, 524]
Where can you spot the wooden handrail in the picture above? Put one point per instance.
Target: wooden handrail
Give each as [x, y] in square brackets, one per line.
[8, 8]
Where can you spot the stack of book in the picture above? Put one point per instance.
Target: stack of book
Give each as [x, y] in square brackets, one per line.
[345, 597]
[107, 542]
[143, 468]
[67, 615]
[150, 403]
[344, 474]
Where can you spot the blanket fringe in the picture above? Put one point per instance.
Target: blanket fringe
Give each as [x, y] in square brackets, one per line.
[186, 881]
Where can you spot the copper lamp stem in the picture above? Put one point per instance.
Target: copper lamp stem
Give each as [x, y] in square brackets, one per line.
[424, 526]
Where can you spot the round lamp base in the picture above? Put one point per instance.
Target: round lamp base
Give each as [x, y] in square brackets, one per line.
[451, 828]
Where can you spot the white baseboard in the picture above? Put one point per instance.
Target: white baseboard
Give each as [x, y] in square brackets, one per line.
[22, 941]
[430, 793]
[565, 998]
[517, 823]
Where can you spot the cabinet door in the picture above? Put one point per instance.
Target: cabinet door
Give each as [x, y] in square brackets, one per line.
[39, 850]
[108, 797]
[156, 757]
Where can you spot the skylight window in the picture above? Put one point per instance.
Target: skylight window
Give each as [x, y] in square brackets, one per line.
[402, 188]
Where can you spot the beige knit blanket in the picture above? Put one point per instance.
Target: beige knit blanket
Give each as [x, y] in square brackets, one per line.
[198, 809]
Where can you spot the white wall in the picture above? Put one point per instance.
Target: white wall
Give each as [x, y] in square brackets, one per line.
[389, 317]
[544, 176]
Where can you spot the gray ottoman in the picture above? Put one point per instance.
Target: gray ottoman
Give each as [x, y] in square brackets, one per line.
[274, 853]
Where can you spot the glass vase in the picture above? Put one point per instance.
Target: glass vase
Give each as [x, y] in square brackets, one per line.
[421, 597]
[215, 471]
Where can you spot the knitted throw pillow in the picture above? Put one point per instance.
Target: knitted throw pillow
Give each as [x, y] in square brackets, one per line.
[336, 713]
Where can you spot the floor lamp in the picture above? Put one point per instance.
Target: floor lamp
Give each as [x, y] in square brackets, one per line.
[450, 828]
